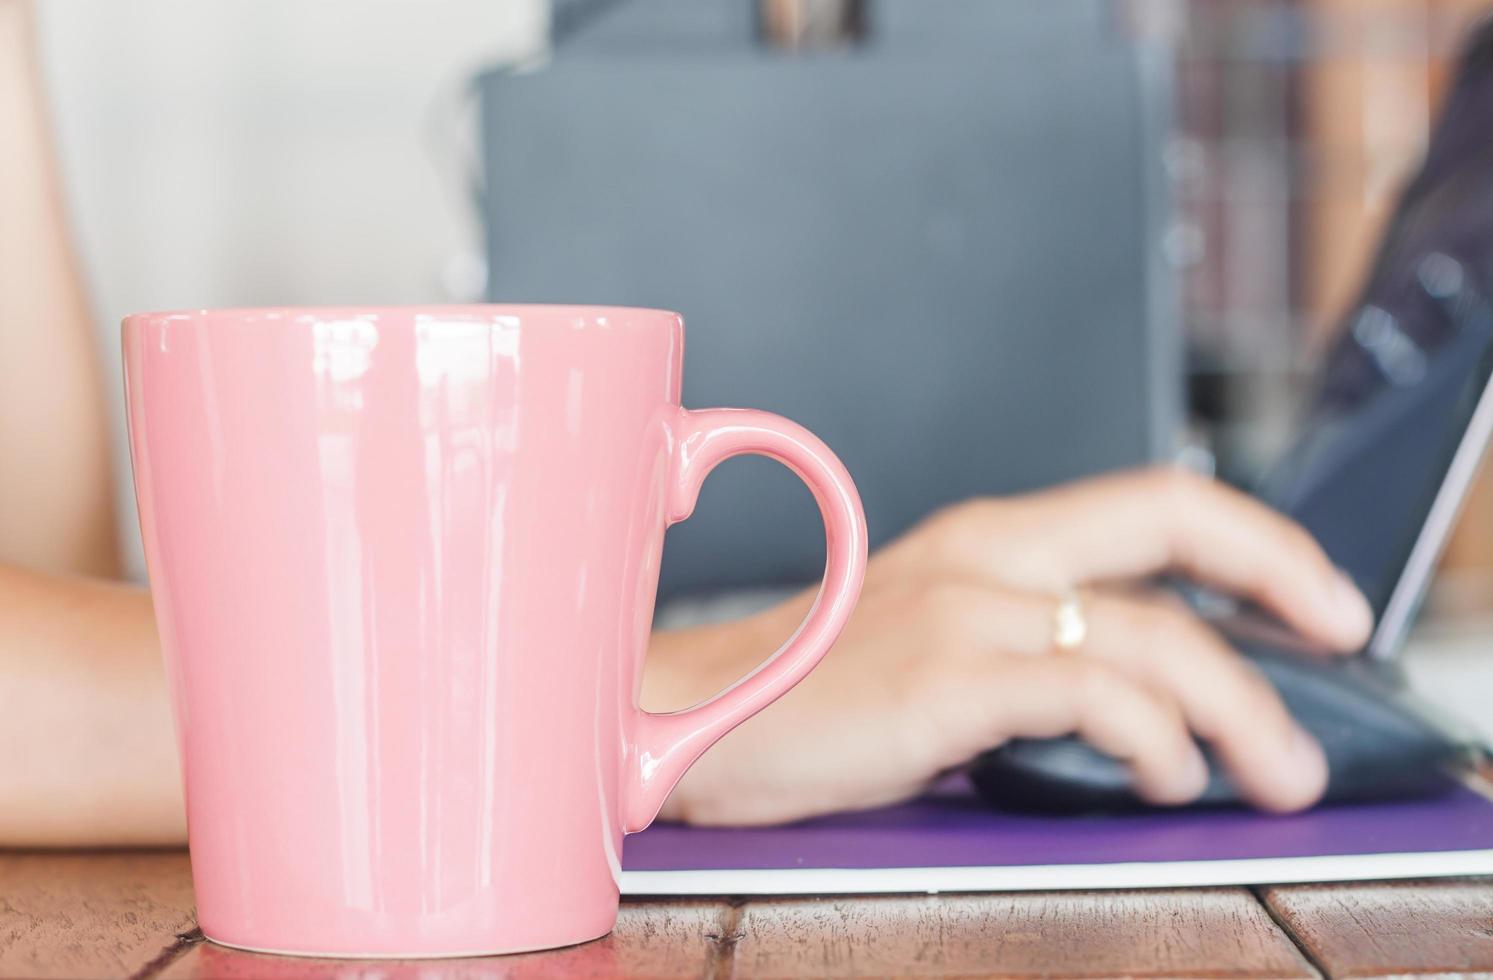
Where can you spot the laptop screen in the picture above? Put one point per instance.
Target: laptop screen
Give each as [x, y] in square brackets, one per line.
[1394, 438]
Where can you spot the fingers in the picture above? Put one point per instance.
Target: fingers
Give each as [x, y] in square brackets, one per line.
[1224, 700]
[1141, 523]
[1045, 697]
[1148, 677]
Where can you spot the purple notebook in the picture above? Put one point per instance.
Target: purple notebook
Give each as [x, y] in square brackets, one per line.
[950, 841]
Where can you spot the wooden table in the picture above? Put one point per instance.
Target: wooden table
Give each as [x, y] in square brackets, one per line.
[129, 914]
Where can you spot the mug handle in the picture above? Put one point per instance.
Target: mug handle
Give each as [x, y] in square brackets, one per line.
[665, 745]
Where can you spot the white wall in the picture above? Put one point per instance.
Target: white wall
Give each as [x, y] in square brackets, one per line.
[260, 152]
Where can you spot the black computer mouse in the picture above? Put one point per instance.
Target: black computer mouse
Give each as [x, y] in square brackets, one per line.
[1377, 745]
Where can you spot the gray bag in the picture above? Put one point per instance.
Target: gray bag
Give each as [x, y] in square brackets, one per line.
[937, 250]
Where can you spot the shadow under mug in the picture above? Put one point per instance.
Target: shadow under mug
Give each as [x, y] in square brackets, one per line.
[403, 564]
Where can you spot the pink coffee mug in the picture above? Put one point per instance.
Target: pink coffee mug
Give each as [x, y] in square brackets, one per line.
[404, 564]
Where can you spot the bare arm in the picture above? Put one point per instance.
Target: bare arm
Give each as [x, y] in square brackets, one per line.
[89, 754]
[56, 489]
[89, 757]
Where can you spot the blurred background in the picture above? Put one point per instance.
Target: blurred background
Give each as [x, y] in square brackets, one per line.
[1129, 228]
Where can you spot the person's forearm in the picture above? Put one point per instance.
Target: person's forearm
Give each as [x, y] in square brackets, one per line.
[56, 488]
[89, 757]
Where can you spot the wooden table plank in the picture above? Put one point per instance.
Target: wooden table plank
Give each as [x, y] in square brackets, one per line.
[658, 939]
[1201, 932]
[80, 915]
[1396, 928]
[121, 914]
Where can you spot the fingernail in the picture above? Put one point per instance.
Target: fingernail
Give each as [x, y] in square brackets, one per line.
[1350, 609]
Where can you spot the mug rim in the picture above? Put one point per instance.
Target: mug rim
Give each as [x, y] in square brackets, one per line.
[575, 314]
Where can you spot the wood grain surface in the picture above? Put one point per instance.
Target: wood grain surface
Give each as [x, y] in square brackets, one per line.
[84, 915]
[1401, 928]
[1202, 932]
[659, 939]
[79, 916]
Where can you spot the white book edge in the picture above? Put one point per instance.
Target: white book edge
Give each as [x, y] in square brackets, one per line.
[1147, 874]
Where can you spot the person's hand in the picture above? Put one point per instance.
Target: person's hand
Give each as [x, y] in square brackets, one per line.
[950, 652]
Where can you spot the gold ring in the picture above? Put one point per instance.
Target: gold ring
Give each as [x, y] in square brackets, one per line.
[1070, 624]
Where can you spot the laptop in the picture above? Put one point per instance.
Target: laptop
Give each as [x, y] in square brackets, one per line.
[1377, 473]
